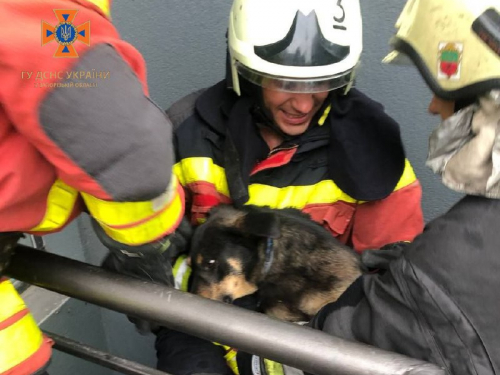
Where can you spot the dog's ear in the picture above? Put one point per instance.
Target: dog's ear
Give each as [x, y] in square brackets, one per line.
[262, 224]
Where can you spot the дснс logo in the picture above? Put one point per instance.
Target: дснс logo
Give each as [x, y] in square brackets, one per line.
[65, 33]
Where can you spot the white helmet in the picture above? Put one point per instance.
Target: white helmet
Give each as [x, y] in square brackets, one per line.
[302, 46]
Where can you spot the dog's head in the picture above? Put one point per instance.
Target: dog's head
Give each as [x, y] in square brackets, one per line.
[225, 251]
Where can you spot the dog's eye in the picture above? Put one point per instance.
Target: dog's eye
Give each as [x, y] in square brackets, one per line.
[209, 264]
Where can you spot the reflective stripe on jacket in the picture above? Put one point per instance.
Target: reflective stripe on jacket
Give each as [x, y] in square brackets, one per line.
[24, 349]
[132, 223]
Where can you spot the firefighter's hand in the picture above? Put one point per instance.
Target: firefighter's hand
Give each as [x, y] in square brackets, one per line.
[380, 259]
[151, 262]
[8, 242]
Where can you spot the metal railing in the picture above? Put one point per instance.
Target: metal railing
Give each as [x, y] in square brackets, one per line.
[77, 349]
[301, 347]
[37, 242]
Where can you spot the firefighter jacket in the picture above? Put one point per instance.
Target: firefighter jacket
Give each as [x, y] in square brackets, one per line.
[298, 173]
[77, 128]
[438, 301]
[77, 131]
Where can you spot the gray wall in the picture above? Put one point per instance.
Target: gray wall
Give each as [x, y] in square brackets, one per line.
[184, 46]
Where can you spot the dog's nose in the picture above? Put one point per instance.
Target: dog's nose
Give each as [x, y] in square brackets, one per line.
[227, 299]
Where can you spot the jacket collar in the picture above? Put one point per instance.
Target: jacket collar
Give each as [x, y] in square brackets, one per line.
[215, 104]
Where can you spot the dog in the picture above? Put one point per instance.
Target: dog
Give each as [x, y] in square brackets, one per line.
[294, 263]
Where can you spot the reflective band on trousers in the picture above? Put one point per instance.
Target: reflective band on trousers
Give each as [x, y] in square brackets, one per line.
[230, 357]
[182, 272]
[60, 203]
[19, 338]
[273, 368]
[137, 223]
[202, 169]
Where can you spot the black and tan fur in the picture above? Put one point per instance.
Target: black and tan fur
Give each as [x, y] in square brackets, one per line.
[309, 269]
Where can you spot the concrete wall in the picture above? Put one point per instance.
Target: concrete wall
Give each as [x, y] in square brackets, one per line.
[184, 45]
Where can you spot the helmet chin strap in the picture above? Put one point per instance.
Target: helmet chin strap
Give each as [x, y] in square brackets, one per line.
[264, 119]
[262, 116]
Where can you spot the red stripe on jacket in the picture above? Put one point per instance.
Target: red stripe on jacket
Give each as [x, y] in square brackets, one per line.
[277, 160]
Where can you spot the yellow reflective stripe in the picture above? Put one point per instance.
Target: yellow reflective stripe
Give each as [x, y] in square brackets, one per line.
[18, 342]
[322, 120]
[178, 262]
[10, 301]
[273, 368]
[297, 196]
[136, 223]
[60, 203]
[125, 213]
[102, 4]
[198, 169]
[230, 357]
[191, 170]
[181, 272]
[150, 230]
[324, 192]
[231, 361]
[22, 338]
[408, 176]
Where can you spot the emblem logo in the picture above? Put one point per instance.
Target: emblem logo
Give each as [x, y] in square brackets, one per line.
[65, 33]
[450, 60]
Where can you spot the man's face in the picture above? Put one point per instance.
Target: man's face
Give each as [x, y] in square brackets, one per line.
[293, 112]
[444, 108]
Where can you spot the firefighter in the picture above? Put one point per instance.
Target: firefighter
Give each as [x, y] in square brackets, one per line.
[78, 132]
[446, 282]
[287, 129]
[437, 299]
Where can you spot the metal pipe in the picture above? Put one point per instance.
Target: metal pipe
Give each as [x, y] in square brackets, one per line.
[301, 347]
[99, 357]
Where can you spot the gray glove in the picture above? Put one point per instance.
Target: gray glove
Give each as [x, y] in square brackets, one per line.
[151, 262]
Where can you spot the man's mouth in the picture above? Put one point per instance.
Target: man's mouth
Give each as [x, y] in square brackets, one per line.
[295, 119]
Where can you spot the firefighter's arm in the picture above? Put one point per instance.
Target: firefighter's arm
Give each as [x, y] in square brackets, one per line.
[397, 218]
[110, 141]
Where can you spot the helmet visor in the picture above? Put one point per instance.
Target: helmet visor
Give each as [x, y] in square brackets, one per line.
[296, 85]
[304, 45]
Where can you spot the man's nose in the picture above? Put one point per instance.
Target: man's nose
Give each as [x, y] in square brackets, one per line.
[303, 103]
[434, 106]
